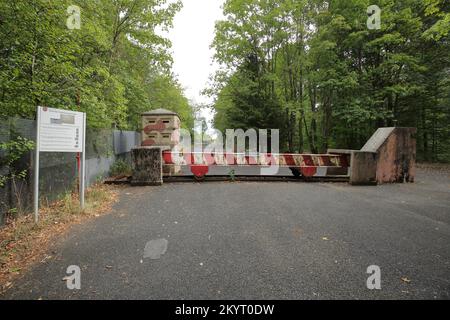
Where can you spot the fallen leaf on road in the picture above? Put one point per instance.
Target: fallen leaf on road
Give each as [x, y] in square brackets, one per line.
[47, 257]
[406, 280]
[325, 239]
[108, 267]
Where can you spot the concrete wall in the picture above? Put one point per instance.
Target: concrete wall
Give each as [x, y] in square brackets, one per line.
[396, 154]
[147, 164]
[363, 169]
[388, 156]
[98, 167]
[124, 141]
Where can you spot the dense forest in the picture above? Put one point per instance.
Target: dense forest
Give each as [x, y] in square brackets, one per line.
[112, 63]
[316, 71]
[311, 68]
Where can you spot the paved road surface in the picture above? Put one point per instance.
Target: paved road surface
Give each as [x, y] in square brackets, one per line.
[258, 241]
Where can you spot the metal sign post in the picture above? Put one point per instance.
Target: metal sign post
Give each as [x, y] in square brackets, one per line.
[83, 166]
[59, 131]
[36, 167]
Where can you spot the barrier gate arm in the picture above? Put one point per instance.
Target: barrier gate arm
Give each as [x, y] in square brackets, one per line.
[307, 165]
[388, 156]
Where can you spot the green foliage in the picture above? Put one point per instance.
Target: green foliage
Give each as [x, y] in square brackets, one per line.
[108, 68]
[315, 71]
[120, 167]
[100, 143]
[232, 175]
[11, 152]
[439, 11]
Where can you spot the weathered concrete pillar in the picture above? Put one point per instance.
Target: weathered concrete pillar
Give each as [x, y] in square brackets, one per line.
[363, 169]
[147, 166]
[389, 156]
[396, 154]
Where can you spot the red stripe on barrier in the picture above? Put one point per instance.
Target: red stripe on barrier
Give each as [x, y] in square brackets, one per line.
[264, 159]
[269, 159]
[289, 158]
[326, 160]
[251, 160]
[230, 159]
[210, 159]
[308, 161]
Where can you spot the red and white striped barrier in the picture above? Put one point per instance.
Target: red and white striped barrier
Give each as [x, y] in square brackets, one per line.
[307, 165]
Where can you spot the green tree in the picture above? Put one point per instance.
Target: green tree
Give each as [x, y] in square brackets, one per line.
[328, 79]
[106, 68]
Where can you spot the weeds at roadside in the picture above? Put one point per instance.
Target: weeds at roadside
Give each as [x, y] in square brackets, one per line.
[120, 168]
[23, 242]
[232, 175]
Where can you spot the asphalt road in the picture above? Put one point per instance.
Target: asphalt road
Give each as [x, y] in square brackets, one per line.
[251, 240]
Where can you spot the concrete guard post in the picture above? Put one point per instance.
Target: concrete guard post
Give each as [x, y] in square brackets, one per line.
[147, 164]
[396, 154]
[363, 168]
[388, 157]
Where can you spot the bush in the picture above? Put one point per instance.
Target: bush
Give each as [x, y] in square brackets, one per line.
[10, 153]
[120, 168]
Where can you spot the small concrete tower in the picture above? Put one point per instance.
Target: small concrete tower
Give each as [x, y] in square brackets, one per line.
[158, 128]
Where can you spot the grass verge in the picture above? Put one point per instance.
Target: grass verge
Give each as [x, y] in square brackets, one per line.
[23, 242]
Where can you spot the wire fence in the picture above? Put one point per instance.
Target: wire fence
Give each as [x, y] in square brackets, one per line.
[58, 171]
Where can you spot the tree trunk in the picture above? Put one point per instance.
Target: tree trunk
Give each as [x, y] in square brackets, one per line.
[326, 123]
[424, 135]
[300, 134]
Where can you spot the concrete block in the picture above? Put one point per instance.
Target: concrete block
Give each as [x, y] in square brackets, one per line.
[363, 169]
[147, 166]
[340, 151]
[397, 157]
[396, 154]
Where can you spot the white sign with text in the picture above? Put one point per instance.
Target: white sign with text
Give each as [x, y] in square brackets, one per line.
[60, 130]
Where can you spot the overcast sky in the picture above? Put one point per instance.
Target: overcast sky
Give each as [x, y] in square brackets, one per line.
[191, 38]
